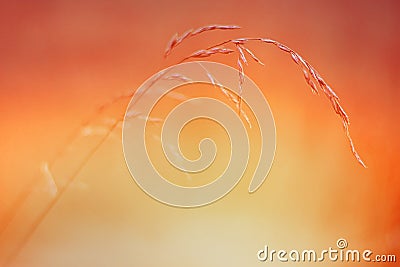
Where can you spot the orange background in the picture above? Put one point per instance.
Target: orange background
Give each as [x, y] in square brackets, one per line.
[60, 60]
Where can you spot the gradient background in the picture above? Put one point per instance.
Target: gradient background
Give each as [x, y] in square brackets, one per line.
[60, 60]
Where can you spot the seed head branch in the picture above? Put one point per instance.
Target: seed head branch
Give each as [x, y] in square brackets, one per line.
[311, 75]
[178, 39]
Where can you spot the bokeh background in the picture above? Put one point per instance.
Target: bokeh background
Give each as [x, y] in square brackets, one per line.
[61, 60]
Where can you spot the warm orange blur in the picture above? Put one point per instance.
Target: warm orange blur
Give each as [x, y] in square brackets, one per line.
[60, 60]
